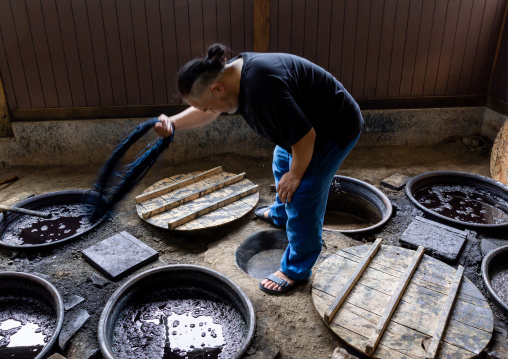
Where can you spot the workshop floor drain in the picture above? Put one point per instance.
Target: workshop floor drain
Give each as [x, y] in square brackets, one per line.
[355, 206]
[261, 252]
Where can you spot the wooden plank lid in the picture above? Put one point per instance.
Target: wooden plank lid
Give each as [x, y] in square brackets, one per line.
[197, 200]
[403, 305]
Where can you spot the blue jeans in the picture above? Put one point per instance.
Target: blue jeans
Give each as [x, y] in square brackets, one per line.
[303, 216]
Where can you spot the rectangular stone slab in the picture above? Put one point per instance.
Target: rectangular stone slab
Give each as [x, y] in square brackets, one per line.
[440, 241]
[119, 255]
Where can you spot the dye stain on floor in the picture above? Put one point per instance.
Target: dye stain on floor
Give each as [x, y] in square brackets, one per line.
[179, 323]
[464, 203]
[66, 220]
[26, 325]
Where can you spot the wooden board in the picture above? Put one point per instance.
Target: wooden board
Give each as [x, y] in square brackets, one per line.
[499, 156]
[417, 317]
[199, 200]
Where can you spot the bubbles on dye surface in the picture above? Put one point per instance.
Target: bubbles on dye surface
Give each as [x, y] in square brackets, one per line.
[66, 220]
[202, 326]
[464, 203]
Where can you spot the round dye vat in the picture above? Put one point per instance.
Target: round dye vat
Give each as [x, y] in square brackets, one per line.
[66, 220]
[26, 325]
[495, 276]
[70, 218]
[355, 206]
[177, 311]
[463, 198]
[463, 203]
[31, 316]
[179, 323]
[259, 255]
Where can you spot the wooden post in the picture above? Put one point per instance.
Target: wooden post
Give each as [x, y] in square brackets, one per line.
[261, 25]
[5, 121]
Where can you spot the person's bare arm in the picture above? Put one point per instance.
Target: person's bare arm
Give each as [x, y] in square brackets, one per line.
[189, 118]
[302, 154]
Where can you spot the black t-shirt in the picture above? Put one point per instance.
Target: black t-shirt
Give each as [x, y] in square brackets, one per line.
[283, 96]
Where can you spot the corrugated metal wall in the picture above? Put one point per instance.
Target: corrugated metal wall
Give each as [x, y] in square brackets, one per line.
[93, 53]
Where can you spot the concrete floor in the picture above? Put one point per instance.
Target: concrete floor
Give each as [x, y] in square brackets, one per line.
[288, 325]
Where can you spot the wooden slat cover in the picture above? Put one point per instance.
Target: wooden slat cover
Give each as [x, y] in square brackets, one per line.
[445, 314]
[394, 300]
[218, 217]
[353, 278]
[174, 186]
[192, 192]
[412, 326]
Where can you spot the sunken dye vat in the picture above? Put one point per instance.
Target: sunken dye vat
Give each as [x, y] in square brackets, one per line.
[463, 198]
[177, 311]
[355, 206]
[26, 325]
[71, 216]
[31, 316]
[179, 323]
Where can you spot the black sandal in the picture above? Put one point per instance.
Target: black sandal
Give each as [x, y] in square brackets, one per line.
[260, 213]
[284, 285]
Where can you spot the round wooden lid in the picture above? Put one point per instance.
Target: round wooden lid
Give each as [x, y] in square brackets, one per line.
[499, 156]
[197, 200]
[467, 325]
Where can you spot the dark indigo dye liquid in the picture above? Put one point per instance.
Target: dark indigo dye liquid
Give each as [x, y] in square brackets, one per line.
[464, 203]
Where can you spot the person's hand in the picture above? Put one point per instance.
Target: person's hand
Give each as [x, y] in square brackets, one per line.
[288, 185]
[163, 128]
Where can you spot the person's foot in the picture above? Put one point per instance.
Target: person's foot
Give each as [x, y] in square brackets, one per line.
[268, 284]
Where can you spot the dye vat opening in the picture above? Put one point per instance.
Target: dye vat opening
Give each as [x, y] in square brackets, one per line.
[462, 198]
[31, 316]
[70, 218]
[177, 311]
[495, 276]
[259, 255]
[355, 206]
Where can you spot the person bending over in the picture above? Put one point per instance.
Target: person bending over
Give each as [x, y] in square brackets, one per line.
[310, 117]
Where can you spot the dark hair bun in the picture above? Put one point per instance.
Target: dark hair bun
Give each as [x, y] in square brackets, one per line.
[215, 55]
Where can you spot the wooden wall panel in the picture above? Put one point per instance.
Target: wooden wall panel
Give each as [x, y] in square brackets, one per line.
[499, 87]
[71, 51]
[21, 25]
[12, 64]
[102, 53]
[373, 49]
[57, 54]
[156, 51]
[42, 56]
[114, 53]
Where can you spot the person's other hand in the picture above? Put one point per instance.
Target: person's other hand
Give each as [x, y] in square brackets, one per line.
[288, 185]
[163, 128]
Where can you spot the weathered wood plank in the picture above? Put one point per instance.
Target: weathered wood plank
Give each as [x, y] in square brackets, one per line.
[192, 196]
[394, 300]
[171, 187]
[401, 336]
[346, 288]
[213, 206]
[445, 314]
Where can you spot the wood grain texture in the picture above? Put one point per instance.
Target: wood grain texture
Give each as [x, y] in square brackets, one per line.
[353, 278]
[409, 332]
[394, 300]
[206, 210]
